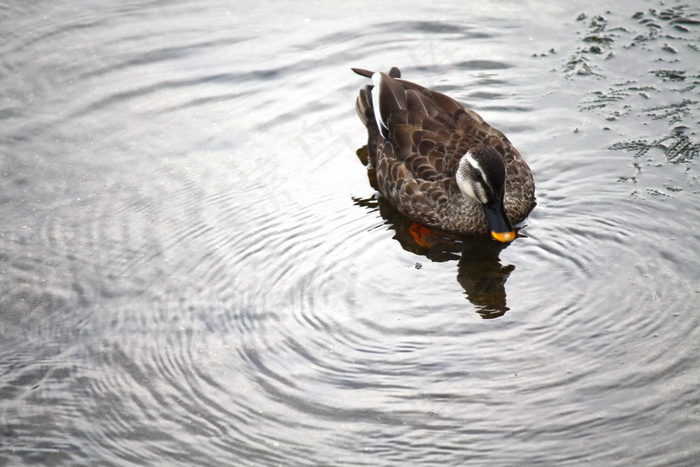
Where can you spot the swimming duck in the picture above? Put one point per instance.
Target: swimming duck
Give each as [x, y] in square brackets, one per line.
[439, 163]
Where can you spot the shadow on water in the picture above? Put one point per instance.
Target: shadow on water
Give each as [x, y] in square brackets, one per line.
[480, 271]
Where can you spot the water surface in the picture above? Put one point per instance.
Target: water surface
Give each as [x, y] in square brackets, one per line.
[196, 270]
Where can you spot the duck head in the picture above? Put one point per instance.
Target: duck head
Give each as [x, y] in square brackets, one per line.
[481, 175]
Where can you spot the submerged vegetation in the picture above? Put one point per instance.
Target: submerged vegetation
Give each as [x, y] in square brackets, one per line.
[677, 146]
[648, 63]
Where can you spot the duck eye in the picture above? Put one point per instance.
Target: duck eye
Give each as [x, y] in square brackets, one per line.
[477, 176]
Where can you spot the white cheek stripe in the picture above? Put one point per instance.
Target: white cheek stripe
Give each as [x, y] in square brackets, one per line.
[464, 185]
[473, 162]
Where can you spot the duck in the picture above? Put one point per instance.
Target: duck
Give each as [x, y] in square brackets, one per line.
[439, 163]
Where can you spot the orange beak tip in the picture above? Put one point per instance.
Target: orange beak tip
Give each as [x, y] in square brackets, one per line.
[503, 237]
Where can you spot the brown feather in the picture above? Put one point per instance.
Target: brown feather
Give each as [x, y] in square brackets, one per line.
[428, 134]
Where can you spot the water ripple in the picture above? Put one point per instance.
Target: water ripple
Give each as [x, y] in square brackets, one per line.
[196, 269]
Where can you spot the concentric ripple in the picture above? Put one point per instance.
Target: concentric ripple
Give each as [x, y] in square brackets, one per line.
[196, 270]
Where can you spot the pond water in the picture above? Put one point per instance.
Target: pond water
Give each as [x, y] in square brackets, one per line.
[196, 270]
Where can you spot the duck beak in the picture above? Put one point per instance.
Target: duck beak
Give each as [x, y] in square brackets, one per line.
[501, 229]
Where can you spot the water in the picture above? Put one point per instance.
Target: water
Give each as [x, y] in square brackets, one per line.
[195, 270]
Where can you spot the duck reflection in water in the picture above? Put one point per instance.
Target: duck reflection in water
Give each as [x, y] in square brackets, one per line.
[480, 271]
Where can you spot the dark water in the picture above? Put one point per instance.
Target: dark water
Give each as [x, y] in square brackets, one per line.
[195, 270]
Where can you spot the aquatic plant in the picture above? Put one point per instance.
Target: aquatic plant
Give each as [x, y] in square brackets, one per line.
[663, 44]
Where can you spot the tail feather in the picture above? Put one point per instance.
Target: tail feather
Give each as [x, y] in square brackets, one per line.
[362, 72]
[363, 105]
[394, 72]
[377, 102]
[388, 97]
